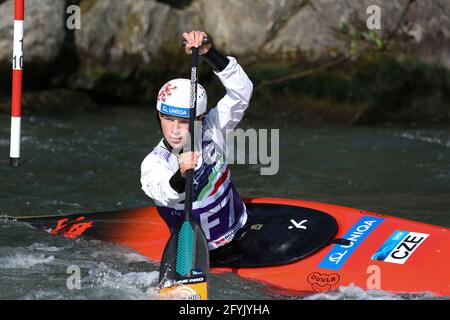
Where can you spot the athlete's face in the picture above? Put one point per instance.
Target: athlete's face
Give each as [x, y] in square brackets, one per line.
[175, 130]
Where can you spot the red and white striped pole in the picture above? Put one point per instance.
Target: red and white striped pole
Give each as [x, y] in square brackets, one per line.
[17, 67]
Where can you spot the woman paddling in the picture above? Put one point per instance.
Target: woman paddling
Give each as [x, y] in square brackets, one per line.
[217, 207]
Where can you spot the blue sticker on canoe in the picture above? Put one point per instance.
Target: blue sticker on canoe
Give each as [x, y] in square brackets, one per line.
[400, 246]
[359, 231]
[389, 245]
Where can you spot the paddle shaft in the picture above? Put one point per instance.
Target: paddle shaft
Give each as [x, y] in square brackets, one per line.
[192, 116]
[187, 249]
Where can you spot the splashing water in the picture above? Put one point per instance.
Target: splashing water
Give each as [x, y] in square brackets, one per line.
[66, 169]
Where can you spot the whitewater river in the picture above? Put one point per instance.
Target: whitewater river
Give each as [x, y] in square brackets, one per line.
[91, 162]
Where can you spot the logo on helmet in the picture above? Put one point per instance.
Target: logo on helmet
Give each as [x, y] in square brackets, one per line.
[166, 91]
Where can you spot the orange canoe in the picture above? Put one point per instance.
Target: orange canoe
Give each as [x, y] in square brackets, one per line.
[369, 250]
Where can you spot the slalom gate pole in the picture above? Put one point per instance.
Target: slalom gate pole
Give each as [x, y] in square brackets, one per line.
[17, 67]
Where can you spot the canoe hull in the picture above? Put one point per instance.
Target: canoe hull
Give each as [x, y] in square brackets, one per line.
[385, 253]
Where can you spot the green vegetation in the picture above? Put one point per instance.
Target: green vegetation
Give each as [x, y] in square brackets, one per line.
[375, 89]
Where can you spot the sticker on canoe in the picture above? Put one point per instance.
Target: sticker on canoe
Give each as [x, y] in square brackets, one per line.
[400, 246]
[323, 282]
[339, 253]
[71, 229]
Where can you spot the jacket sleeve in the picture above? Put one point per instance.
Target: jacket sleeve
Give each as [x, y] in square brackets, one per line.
[155, 180]
[230, 109]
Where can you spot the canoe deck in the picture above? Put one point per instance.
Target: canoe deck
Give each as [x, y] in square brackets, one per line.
[384, 252]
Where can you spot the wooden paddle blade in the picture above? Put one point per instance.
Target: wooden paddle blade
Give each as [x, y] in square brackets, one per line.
[185, 264]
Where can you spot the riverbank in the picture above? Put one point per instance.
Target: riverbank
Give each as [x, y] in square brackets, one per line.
[121, 52]
[376, 89]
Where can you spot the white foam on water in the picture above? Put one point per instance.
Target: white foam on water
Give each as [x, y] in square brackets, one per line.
[353, 292]
[124, 256]
[43, 295]
[20, 260]
[5, 220]
[29, 139]
[133, 257]
[443, 141]
[134, 285]
[62, 203]
[43, 247]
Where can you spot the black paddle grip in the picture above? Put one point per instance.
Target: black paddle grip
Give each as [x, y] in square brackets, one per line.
[204, 42]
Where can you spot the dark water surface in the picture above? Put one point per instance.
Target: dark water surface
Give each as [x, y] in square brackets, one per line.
[91, 162]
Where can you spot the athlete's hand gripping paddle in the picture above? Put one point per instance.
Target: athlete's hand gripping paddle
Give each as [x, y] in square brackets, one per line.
[184, 270]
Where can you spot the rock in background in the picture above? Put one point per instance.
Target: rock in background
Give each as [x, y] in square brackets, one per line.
[44, 33]
[126, 49]
[128, 31]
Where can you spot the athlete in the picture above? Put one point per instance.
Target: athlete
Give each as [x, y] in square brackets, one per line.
[217, 207]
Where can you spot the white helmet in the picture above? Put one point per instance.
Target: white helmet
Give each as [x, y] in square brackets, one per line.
[174, 97]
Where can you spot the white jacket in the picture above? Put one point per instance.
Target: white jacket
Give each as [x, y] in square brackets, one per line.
[216, 204]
